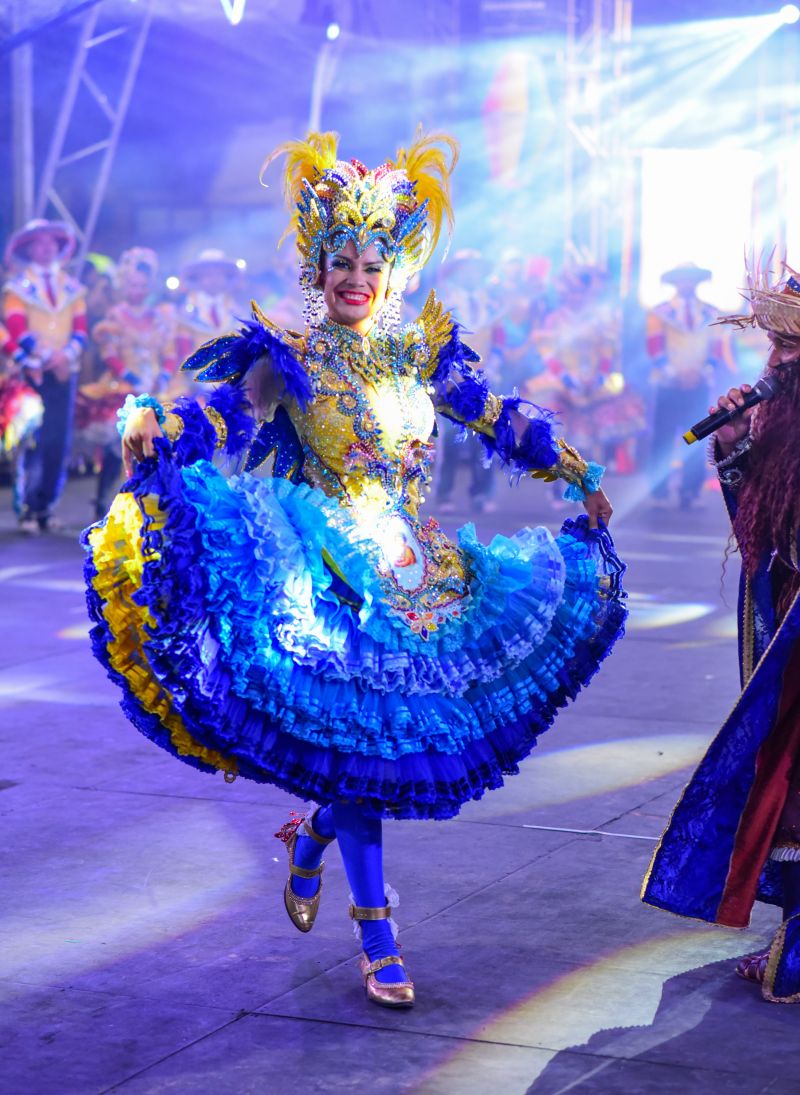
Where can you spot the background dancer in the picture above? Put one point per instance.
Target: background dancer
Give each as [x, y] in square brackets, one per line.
[45, 313]
[687, 355]
[136, 346]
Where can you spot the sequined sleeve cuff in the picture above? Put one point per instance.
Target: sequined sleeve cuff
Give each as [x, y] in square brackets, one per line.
[730, 468]
[581, 476]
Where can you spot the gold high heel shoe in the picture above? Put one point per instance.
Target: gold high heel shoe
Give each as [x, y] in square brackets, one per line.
[302, 910]
[395, 994]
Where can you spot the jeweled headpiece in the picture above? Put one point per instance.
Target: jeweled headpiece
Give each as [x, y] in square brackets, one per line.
[399, 206]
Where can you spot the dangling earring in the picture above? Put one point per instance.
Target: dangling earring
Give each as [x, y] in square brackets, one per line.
[388, 319]
[314, 310]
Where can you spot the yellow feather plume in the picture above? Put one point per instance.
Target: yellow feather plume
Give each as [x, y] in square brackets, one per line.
[306, 159]
[429, 162]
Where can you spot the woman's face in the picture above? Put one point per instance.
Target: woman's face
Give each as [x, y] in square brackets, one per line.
[354, 286]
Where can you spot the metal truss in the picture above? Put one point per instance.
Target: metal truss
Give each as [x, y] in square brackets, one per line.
[596, 179]
[81, 205]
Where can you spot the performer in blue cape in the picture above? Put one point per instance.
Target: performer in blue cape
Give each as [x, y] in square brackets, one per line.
[735, 834]
[297, 622]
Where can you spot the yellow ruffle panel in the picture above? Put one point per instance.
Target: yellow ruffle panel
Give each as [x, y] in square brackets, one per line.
[119, 563]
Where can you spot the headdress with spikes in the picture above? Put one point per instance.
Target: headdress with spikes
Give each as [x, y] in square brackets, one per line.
[399, 206]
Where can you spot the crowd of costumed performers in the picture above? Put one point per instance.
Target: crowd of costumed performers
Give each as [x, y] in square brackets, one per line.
[135, 342]
[71, 350]
[44, 332]
[270, 601]
[734, 836]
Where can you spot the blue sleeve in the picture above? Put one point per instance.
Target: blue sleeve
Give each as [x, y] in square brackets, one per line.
[522, 440]
[225, 423]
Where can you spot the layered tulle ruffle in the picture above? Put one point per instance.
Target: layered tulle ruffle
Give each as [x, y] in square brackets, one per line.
[216, 612]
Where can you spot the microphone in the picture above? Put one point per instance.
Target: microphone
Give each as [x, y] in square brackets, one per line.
[765, 389]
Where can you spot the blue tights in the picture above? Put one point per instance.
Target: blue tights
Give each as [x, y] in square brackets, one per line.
[360, 841]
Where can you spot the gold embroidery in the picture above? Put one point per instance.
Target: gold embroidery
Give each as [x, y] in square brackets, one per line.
[219, 424]
[437, 326]
[173, 426]
[492, 409]
[571, 466]
[748, 638]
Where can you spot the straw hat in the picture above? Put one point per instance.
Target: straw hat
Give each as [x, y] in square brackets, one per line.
[774, 305]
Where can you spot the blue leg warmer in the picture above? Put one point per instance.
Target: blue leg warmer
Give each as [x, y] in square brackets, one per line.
[308, 852]
[361, 844]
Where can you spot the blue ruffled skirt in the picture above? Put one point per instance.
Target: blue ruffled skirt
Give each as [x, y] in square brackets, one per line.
[238, 647]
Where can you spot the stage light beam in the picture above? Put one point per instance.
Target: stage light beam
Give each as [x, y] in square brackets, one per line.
[234, 10]
[333, 31]
[789, 13]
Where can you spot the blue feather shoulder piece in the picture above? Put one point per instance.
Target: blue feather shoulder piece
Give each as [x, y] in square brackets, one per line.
[231, 357]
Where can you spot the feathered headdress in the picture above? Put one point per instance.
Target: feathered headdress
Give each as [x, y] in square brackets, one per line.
[400, 206]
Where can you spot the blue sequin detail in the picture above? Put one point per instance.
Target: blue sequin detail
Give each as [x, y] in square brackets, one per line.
[591, 482]
[132, 403]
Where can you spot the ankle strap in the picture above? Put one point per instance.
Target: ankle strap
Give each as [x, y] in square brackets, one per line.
[309, 831]
[306, 872]
[382, 963]
[361, 912]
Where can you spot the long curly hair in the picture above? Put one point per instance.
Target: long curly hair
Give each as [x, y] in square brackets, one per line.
[768, 507]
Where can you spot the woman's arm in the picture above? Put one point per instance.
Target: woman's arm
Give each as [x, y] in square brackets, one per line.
[518, 433]
[195, 430]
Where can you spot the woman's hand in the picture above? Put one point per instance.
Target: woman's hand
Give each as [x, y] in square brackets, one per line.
[141, 429]
[736, 430]
[598, 507]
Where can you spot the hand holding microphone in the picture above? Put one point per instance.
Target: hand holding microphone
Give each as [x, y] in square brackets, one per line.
[730, 419]
[738, 427]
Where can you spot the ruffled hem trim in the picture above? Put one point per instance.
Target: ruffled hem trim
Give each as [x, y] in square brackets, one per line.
[516, 587]
[176, 690]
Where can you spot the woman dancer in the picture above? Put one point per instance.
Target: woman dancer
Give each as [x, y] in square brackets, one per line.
[308, 628]
[735, 834]
[136, 345]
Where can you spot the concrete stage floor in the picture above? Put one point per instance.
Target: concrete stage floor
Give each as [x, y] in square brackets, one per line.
[145, 948]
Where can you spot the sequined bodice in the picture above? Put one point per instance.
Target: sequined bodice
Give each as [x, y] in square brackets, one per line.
[366, 433]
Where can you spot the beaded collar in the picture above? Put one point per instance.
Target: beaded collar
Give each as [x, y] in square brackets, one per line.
[371, 355]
